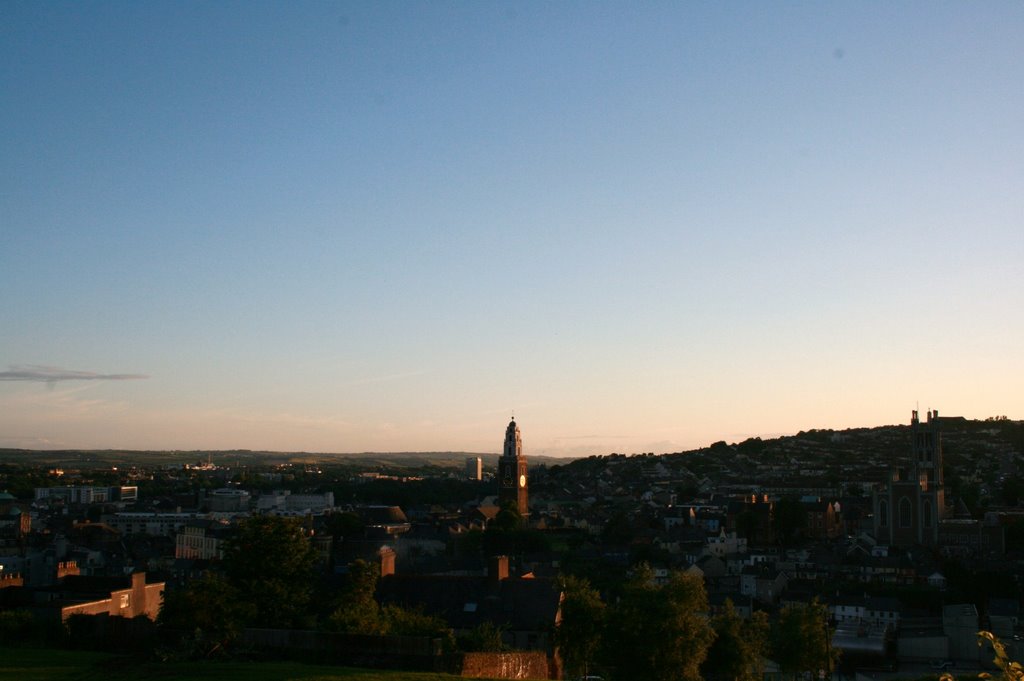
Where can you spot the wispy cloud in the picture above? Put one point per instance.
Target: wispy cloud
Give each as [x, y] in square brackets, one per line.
[51, 375]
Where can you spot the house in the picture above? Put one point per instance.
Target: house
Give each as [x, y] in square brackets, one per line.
[15, 521]
[823, 520]
[752, 519]
[526, 609]
[848, 610]
[707, 567]
[680, 516]
[882, 612]
[722, 544]
[126, 597]
[867, 613]
[201, 540]
[960, 625]
[762, 583]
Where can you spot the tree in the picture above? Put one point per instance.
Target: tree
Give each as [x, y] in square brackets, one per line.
[209, 613]
[740, 647]
[15, 625]
[269, 563]
[721, 448]
[508, 518]
[802, 639]
[1012, 671]
[484, 638]
[579, 632]
[400, 621]
[358, 612]
[618, 531]
[345, 525]
[660, 633]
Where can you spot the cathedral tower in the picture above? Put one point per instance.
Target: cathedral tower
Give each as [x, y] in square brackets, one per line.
[512, 473]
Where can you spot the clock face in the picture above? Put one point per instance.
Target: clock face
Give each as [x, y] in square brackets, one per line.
[507, 482]
[522, 481]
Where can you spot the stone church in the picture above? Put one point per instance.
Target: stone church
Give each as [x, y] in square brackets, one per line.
[909, 508]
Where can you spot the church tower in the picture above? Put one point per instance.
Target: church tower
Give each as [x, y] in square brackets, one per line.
[908, 510]
[512, 473]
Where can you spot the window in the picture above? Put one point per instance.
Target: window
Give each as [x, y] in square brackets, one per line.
[883, 513]
[906, 513]
[926, 513]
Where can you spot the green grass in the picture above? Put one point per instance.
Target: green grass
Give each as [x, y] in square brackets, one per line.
[38, 664]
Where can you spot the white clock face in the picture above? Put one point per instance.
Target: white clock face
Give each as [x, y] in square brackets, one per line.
[522, 481]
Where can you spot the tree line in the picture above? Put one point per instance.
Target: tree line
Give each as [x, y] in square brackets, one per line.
[663, 632]
[268, 578]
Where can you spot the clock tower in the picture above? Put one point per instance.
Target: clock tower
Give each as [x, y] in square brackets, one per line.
[512, 474]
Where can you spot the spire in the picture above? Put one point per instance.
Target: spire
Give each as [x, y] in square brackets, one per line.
[513, 440]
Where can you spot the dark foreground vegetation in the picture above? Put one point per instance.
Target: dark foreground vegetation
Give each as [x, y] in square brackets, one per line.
[39, 664]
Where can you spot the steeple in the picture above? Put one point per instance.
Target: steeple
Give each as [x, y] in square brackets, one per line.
[513, 440]
[926, 448]
[512, 470]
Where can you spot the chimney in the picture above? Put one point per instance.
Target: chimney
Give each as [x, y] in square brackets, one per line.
[498, 569]
[387, 561]
[137, 602]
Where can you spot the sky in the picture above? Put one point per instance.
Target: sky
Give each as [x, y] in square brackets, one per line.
[389, 226]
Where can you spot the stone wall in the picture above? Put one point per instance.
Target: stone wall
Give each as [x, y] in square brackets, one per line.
[399, 652]
[521, 665]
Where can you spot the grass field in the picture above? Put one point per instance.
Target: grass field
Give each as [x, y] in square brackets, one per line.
[37, 664]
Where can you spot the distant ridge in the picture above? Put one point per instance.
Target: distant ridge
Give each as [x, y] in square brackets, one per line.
[99, 458]
[1011, 432]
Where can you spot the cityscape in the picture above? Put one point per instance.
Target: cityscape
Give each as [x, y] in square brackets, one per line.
[606, 341]
[896, 544]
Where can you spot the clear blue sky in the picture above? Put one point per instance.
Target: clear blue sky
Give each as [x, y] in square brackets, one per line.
[385, 226]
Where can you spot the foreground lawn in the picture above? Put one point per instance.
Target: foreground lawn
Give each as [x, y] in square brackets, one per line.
[38, 664]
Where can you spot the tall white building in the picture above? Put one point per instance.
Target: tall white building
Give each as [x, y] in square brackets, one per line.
[474, 468]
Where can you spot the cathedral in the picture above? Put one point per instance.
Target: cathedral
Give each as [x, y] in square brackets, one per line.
[909, 508]
[512, 474]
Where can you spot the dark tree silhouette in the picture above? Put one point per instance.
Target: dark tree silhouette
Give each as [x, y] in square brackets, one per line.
[659, 632]
[580, 632]
[269, 562]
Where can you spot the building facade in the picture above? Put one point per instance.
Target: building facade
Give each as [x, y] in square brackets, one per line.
[89, 495]
[474, 468]
[201, 540]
